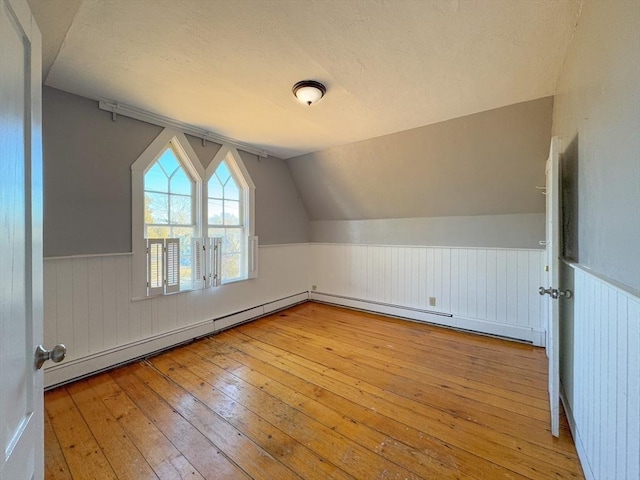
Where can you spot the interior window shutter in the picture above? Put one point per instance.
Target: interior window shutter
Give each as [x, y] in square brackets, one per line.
[199, 262]
[253, 256]
[216, 262]
[155, 266]
[208, 269]
[172, 265]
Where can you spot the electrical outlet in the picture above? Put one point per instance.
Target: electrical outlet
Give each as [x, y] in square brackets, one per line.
[314, 288]
[432, 301]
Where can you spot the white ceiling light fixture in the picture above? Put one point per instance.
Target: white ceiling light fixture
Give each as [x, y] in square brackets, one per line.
[309, 91]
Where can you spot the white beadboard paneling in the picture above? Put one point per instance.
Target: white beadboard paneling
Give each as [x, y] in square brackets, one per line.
[454, 281]
[64, 308]
[605, 415]
[94, 298]
[621, 378]
[50, 306]
[123, 294]
[491, 280]
[463, 282]
[633, 380]
[511, 292]
[481, 284]
[88, 306]
[442, 278]
[535, 282]
[495, 290]
[80, 308]
[523, 288]
[610, 390]
[472, 284]
[109, 308]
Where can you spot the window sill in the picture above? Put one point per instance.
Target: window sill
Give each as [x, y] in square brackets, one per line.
[238, 280]
[187, 290]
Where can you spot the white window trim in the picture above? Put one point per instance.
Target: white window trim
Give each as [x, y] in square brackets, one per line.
[190, 161]
[236, 165]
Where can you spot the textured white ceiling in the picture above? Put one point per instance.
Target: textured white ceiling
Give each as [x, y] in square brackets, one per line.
[228, 66]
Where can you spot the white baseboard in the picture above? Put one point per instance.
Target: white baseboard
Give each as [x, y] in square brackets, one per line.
[525, 334]
[91, 364]
[577, 440]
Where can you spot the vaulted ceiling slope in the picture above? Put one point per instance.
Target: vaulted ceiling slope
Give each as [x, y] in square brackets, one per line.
[228, 66]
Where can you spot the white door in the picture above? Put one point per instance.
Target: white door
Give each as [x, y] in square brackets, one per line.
[21, 399]
[553, 263]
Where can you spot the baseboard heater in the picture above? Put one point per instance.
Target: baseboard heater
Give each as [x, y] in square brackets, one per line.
[78, 368]
[473, 325]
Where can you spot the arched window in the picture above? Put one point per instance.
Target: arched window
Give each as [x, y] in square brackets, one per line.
[166, 190]
[169, 209]
[176, 205]
[229, 213]
[226, 220]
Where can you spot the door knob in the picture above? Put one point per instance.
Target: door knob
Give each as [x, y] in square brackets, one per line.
[546, 291]
[56, 354]
[555, 293]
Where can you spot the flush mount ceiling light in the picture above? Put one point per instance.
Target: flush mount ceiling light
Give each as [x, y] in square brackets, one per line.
[309, 91]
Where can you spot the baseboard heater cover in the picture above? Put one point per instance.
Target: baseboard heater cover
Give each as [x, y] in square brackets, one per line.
[474, 325]
[78, 368]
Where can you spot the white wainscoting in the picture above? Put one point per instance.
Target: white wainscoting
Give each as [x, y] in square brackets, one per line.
[605, 415]
[488, 290]
[88, 307]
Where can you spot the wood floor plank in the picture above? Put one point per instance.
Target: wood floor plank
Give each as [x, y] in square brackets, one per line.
[82, 452]
[532, 430]
[209, 461]
[502, 448]
[165, 459]
[325, 441]
[255, 461]
[56, 467]
[122, 454]
[285, 448]
[408, 348]
[322, 420]
[462, 343]
[430, 457]
[404, 371]
[315, 392]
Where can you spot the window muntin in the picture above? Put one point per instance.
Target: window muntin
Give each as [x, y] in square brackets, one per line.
[225, 207]
[169, 208]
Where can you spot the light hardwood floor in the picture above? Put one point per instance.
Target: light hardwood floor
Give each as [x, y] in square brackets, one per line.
[315, 392]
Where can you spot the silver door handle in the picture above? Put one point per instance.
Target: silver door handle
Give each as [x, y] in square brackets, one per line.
[56, 354]
[548, 291]
[555, 293]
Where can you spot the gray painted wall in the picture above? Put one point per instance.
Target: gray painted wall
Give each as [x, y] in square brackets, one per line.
[498, 231]
[438, 178]
[280, 215]
[87, 171]
[483, 164]
[87, 175]
[597, 117]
